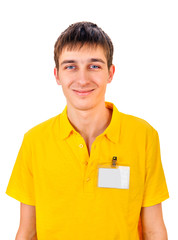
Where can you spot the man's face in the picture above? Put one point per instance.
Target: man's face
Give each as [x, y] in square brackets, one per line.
[84, 75]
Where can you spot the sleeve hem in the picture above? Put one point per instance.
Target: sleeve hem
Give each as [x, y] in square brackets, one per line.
[19, 197]
[153, 202]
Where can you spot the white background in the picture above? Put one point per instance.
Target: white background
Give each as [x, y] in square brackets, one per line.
[145, 36]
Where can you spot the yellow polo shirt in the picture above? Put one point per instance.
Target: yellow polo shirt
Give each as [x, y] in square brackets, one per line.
[54, 172]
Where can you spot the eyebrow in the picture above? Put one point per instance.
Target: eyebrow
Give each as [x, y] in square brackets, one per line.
[89, 60]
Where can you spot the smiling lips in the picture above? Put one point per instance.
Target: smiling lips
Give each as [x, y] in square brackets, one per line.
[83, 92]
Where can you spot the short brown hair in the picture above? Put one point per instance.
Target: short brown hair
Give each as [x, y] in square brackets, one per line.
[81, 33]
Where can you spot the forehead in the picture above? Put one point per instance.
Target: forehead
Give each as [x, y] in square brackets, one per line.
[85, 52]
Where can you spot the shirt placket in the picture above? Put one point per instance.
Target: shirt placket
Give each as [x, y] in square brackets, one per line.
[88, 164]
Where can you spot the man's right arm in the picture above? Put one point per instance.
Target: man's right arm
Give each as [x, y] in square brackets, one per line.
[27, 227]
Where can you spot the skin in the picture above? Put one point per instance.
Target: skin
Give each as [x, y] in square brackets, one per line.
[84, 81]
[153, 227]
[27, 227]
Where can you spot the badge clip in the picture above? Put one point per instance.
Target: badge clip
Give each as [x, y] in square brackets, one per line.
[114, 160]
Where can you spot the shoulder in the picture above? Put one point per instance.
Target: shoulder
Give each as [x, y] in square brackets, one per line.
[43, 130]
[136, 125]
[134, 120]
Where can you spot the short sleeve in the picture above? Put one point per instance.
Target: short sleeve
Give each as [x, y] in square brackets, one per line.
[20, 186]
[155, 189]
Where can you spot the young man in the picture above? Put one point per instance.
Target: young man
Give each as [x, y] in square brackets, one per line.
[90, 172]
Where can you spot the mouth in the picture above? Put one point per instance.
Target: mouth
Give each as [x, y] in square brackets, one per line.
[83, 92]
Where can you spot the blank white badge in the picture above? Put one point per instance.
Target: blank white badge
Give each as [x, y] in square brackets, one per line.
[114, 177]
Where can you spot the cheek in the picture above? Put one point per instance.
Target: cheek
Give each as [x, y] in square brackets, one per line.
[66, 81]
[102, 81]
[68, 78]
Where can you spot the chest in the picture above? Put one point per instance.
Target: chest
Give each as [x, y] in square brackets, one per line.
[72, 165]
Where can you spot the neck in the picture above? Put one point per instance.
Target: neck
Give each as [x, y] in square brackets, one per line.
[91, 122]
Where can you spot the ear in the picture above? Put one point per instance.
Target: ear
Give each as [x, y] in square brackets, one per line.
[56, 76]
[111, 73]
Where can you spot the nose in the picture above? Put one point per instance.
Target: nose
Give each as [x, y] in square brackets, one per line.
[82, 77]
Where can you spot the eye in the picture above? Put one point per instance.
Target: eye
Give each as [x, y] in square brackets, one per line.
[94, 67]
[70, 67]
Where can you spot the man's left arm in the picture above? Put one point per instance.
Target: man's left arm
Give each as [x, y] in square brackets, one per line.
[153, 227]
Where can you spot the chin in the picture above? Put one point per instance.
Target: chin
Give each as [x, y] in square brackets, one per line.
[83, 107]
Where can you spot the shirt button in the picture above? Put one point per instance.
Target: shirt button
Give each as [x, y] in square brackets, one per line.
[86, 163]
[88, 179]
[80, 145]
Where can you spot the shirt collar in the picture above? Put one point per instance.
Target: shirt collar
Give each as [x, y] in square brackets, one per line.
[112, 132]
[66, 127]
